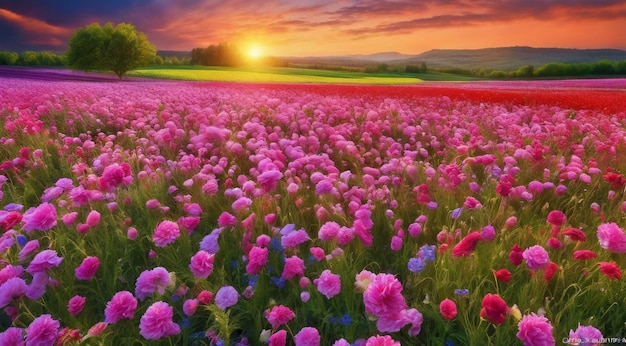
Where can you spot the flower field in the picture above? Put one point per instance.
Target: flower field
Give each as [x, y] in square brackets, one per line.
[186, 213]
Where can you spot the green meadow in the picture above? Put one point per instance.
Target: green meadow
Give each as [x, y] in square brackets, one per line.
[285, 75]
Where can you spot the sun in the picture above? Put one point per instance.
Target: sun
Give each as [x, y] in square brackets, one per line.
[255, 52]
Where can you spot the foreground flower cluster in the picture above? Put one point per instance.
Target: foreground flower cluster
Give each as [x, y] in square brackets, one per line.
[246, 214]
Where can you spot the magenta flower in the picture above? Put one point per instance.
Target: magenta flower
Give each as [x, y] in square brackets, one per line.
[13, 288]
[121, 306]
[12, 336]
[612, 237]
[556, 217]
[37, 287]
[42, 331]
[328, 284]
[307, 336]
[257, 258]
[535, 330]
[44, 260]
[447, 308]
[75, 305]
[536, 257]
[383, 296]
[190, 306]
[294, 265]
[328, 231]
[152, 281]
[42, 218]
[28, 249]
[279, 338]
[467, 245]
[69, 218]
[379, 340]
[166, 232]
[10, 271]
[226, 219]
[269, 179]
[201, 265]
[88, 268]
[226, 296]
[157, 322]
[279, 315]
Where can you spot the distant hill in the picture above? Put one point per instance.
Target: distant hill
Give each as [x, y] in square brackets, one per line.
[503, 58]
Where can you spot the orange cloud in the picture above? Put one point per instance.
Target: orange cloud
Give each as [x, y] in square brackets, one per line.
[32, 25]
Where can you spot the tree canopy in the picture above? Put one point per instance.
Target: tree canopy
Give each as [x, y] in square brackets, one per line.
[107, 48]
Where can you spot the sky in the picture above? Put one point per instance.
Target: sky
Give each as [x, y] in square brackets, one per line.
[324, 27]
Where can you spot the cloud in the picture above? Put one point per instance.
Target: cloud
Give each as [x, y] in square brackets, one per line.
[34, 31]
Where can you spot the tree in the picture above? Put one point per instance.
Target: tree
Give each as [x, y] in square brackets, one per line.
[119, 49]
[9, 58]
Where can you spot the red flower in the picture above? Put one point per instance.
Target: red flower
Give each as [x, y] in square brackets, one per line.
[503, 275]
[447, 308]
[467, 245]
[515, 256]
[611, 270]
[550, 270]
[575, 234]
[617, 181]
[494, 309]
[556, 217]
[584, 254]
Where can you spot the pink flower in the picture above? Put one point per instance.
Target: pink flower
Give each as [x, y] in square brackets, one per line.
[363, 279]
[75, 305]
[42, 331]
[447, 308]
[294, 238]
[88, 268]
[293, 266]
[279, 338]
[257, 258]
[381, 341]
[467, 245]
[37, 287]
[511, 222]
[10, 271]
[575, 234]
[586, 335]
[113, 176]
[131, 233]
[121, 306]
[96, 330]
[44, 260]
[190, 306]
[42, 218]
[612, 237]
[201, 265]
[584, 254]
[383, 296]
[166, 232]
[269, 179]
[151, 281]
[536, 257]
[226, 296]
[157, 322]
[535, 330]
[472, 203]
[328, 284]
[153, 204]
[279, 315]
[556, 217]
[328, 231]
[307, 336]
[69, 218]
[93, 218]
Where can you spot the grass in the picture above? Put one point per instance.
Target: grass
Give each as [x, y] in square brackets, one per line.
[286, 75]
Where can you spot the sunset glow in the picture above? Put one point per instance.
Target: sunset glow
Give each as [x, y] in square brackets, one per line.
[255, 52]
[322, 27]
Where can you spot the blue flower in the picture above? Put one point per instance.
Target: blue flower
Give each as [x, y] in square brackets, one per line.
[21, 239]
[184, 323]
[463, 292]
[346, 320]
[427, 252]
[456, 213]
[416, 264]
[276, 245]
[278, 281]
